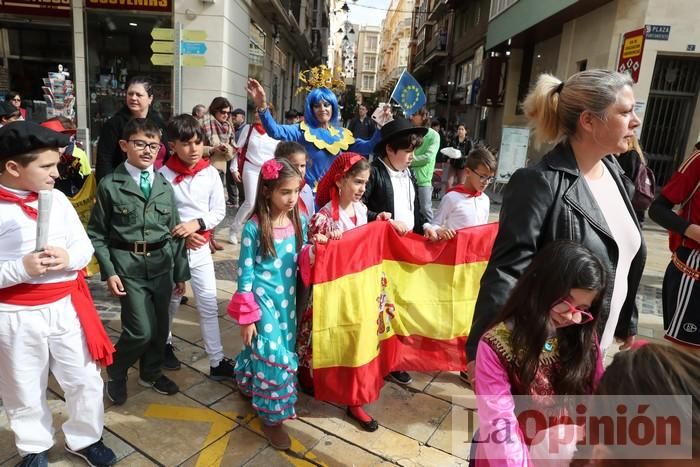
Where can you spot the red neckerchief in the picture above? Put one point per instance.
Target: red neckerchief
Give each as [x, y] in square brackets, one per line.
[259, 128]
[462, 189]
[6, 195]
[177, 166]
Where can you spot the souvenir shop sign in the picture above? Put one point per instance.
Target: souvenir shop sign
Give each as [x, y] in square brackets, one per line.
[631, 53]
[36, 7]
[165, 6]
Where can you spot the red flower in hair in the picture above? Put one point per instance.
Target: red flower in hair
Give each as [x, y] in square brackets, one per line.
[271, 170]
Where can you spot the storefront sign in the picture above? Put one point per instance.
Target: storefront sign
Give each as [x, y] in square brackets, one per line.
[631, 54]
[658, 32]
[36, 7]
[140, 5]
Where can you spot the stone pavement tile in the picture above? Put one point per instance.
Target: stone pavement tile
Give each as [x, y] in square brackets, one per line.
[456, 431]
[186, 323]
[189, 353]
[169, 429]
[237, 448]
[235, 407]
[208, 391]
[332, 451]
[186, 377]
[303, 435]
[273, 457]
[384, 442]
[413, 414]
[422, 380]
[136, 460]
[447, 386]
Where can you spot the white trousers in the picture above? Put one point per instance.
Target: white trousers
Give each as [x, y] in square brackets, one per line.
[203, 282]
[251, 174]
[32, 342]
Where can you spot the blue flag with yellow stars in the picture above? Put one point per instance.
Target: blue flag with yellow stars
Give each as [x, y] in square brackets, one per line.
[409, 94]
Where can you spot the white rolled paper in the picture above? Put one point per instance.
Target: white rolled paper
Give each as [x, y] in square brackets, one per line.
[42, 222]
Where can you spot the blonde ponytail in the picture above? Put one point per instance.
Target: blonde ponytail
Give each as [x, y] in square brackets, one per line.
[540, 107]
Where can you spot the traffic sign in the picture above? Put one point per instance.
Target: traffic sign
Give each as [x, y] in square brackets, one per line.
[163, 47]
[163, 34]
[194, 35]
[193, 60]
[163, 59]
[193, 48]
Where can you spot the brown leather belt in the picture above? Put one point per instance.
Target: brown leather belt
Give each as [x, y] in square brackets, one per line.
[685, 269]
[138, 248]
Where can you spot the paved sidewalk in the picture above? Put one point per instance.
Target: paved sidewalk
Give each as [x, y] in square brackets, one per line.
[209, 424]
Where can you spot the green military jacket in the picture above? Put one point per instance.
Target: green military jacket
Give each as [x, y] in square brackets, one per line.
[122, 213]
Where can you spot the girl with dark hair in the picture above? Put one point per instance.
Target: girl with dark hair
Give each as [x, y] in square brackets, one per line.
[543, 343]
[15, 99]
[139, 98]
[263, 305]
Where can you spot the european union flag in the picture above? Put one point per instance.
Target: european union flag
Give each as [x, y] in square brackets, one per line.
[409, 94]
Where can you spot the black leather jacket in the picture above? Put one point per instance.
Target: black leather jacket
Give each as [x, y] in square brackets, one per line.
[379, 196]
[542, 203]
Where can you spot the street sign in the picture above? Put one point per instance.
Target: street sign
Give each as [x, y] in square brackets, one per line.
[163, 34]
[163, 47]
[658, 32]
[193, 48]
[162, 59]
[631, 53]
[193, 60]
[194, 35]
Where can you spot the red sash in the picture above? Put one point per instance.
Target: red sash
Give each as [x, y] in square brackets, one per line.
[98, 343]
[182, 171]
[465, 191]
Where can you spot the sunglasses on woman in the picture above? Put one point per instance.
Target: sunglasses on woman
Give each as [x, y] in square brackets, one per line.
[564, 306]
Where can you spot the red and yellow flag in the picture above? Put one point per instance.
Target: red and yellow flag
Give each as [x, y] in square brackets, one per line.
[383, 302]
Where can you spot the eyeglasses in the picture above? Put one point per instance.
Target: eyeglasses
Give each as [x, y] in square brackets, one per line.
[484, 178]
[16, 99]
[141, 145]
[564, 306]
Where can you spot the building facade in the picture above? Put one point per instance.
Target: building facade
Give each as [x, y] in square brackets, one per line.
[367, 61]
[395, 43]
[101, 44]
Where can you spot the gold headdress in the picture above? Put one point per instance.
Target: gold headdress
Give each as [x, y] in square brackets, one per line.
[319, 77]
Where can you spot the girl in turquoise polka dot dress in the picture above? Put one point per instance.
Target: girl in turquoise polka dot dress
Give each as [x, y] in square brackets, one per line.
[272, 245]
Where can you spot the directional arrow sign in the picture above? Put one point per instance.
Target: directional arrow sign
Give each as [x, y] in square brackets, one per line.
[193, 48]
[162, 59]
[163, 47]
[194, 35]
[193, 60]
[163, 34]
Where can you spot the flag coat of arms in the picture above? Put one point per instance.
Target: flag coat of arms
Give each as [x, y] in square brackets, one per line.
[383, 302]
[409, 94]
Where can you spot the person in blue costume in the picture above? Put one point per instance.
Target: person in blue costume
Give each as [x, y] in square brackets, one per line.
[264, 305]
[320, 132]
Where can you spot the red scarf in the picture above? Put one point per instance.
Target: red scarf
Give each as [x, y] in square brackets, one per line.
[466, 191]
[6, 195]
[259, 128]
[182, 171]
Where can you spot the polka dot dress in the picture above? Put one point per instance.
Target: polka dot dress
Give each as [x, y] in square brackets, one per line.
[267, 369]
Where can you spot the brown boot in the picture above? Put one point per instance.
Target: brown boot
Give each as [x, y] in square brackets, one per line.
[277, 436]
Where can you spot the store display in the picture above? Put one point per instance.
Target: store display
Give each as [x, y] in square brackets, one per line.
[58, 94]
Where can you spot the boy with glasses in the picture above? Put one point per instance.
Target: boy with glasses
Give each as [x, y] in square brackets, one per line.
[130, 229]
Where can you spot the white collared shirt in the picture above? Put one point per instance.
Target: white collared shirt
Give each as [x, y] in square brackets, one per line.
[135, 173]
[198, 197]
[404, 195]
[459, 210]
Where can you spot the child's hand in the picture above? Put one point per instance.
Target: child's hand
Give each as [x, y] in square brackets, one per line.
[335, 234]
[115, 286]
[321, 239]
[248, 332]
[55, 258]
[399, 226]
[446, 234]
[431, 235]
[195, 241]
[384, 216]
[185, 229]
[34, 265]
[179, 289]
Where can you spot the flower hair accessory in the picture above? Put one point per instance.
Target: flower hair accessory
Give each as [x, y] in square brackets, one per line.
[271, 170]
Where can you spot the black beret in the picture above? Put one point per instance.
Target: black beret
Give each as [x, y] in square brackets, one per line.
[22, 137]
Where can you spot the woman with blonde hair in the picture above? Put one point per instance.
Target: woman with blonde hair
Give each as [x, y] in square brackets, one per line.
[632, 161]
[576, 192]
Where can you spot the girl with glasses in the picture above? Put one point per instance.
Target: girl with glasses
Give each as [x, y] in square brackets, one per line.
[543, 343]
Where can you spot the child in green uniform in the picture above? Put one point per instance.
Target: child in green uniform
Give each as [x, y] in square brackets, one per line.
[130, 230]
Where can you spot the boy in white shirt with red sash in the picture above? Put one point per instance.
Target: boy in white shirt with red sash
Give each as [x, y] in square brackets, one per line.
[48, 321]
[199, 197]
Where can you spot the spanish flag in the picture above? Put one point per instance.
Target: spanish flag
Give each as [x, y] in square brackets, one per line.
[383, 302]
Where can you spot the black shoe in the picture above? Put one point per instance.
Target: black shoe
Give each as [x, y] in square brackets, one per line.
[170, 361]
[370, 426]
[96, 455]
[116, 391]
[401, 377]
[40, 459]
[224, 370]
[163, 385]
